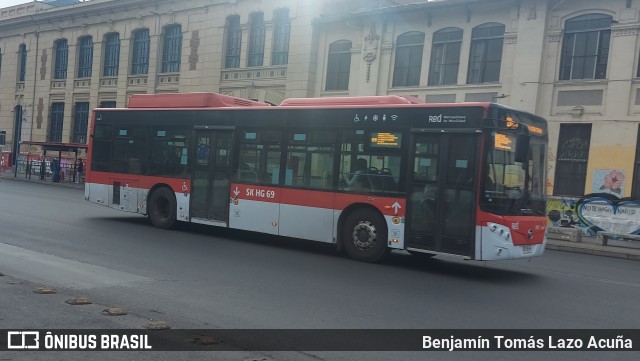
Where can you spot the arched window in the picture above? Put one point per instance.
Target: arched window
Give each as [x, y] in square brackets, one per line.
[22, 57]
[85, 56]
[281, 30]
[485, 58]
[339, 65]
[61, 59]
[255, 57]
[445, 56]
[408, 62]
[585, 47]
[140, 56]
[234, 42]
[111, 54]
[171, 48]
[572, 159]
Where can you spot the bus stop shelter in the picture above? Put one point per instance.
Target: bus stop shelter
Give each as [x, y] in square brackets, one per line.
[54, 150]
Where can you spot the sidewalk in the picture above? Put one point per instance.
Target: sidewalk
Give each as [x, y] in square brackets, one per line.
[589, 245]
[8, 174]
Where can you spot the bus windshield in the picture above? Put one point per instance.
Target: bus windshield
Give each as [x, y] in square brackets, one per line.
[511, 187]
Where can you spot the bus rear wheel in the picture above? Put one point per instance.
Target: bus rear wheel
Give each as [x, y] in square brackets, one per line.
[364, 236]
[162, 208]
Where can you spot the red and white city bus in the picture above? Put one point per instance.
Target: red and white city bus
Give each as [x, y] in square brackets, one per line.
[368, 174]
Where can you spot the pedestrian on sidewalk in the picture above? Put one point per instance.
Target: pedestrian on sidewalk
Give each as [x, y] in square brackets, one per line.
[43, 168]
[79, 169]
[55, 170]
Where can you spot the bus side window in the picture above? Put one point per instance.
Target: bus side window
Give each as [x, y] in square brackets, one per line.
[365, 169]
[260, 157]
[130, 150]
[168, 152]
[310, 159]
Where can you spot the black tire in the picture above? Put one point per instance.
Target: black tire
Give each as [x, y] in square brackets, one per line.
[162, 208]
[364, 236]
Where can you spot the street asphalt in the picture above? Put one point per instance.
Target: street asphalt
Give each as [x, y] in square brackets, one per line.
[588, 245]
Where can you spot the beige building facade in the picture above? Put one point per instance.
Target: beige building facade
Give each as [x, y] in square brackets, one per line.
[574, 62]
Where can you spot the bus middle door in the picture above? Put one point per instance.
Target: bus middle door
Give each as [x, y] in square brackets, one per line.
[211, 176]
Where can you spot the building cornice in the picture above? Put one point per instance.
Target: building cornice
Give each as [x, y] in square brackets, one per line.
[53, 15]
[554, 36]
[403, 9]
[625, 30]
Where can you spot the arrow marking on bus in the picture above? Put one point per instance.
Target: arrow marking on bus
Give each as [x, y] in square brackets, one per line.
[236, 192]
[396, 206]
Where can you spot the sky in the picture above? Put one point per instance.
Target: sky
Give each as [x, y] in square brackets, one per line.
[5, 3]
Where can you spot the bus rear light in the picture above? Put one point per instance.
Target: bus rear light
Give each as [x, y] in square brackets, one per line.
[394, 240]
[395, 220]
[274, 223]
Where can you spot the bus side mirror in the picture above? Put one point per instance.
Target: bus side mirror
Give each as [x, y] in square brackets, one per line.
[522, 148]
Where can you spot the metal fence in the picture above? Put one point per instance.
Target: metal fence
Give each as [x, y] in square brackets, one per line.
[67, 170]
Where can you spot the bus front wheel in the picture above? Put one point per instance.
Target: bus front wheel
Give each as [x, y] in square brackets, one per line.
[162, 208]
[364, 236]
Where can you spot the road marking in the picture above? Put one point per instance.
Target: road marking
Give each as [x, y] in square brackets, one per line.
[56, 271]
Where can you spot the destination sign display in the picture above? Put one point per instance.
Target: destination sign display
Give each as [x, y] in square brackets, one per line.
[386, 139]
[503, 141]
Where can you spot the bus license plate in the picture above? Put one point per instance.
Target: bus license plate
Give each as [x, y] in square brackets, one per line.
[527, 249]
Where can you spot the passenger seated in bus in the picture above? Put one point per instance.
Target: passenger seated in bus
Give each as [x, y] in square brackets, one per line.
[356, 179]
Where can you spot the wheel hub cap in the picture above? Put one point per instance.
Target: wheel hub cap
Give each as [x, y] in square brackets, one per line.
[364, 235]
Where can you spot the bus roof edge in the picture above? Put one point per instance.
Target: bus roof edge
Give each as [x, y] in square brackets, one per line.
[190, 100]
[360, 100]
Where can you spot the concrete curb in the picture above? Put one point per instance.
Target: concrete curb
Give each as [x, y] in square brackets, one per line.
[596, 250]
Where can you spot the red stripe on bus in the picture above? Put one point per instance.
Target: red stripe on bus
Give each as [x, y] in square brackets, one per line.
[317, 199]
[180, 185]
[298, 197]
[387, 205]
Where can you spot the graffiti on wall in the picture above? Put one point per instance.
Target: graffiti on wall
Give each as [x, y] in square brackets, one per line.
[609, 181]
[596, 212]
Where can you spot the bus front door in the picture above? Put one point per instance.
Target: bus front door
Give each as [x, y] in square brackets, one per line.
[441, 204]
[211, 176]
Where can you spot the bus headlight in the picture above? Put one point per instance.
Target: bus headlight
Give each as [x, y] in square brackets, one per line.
[501, 231]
